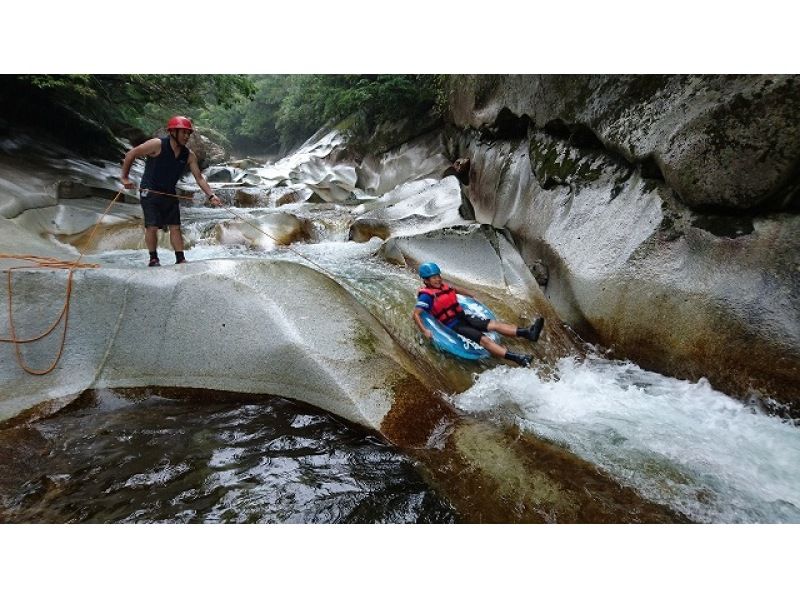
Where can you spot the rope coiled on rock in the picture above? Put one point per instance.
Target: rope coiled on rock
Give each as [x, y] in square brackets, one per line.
[47, 263]
[50, 263]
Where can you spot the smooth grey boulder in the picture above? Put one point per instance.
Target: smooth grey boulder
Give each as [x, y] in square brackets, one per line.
[72, 190]
[263, 231]
[225, 324]
[18, 240]
[35, 175]
[72, 224]
[396, 195]
[473, 254]
[77, 217]
[248, 197]
[221, 174]
[24, 185]
[310, 166]
[334, 184]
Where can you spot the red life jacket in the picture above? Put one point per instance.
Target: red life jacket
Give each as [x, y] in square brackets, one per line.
[445, 303]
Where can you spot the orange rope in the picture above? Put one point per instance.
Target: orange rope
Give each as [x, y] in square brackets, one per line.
[47, 263]
[53, 263]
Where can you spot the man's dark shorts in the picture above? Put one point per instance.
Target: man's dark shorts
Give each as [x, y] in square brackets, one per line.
[160, 210]
[471, 327]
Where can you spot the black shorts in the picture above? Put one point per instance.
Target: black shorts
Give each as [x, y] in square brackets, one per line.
[471, 327]
[160, 210]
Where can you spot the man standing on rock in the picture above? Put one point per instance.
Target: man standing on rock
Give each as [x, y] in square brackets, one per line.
[167, 159]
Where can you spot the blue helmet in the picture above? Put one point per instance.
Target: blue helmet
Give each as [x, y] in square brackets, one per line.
[429, 269]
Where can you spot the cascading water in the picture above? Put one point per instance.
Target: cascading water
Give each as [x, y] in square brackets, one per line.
[683, 445]
[678, 443]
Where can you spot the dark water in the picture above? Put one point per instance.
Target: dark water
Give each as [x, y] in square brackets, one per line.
[161, 460]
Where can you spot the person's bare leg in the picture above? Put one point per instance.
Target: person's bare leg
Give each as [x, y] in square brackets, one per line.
[494, 349]
[502, 328]
[501, 352]
[151, 238]
[531, 333]
[175, 237]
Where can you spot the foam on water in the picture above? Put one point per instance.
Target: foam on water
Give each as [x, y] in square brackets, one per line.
[677, 443]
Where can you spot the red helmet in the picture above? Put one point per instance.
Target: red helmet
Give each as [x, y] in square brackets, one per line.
[179, 122]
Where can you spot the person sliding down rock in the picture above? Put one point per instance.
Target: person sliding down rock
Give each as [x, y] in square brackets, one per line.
[167, 159]
[439, 299]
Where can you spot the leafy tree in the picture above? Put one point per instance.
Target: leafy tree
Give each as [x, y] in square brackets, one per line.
[313, 100]
[260, 113]
[287, 109]
[250, 123]
[87, 109]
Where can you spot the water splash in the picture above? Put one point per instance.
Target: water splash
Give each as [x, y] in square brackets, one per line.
[678, 443]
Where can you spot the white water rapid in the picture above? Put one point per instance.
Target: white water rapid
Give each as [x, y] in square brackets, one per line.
[678, 443]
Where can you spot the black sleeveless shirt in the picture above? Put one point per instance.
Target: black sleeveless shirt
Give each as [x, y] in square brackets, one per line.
[162, 172]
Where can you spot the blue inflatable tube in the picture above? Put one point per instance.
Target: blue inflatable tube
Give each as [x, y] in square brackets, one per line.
[448, 341]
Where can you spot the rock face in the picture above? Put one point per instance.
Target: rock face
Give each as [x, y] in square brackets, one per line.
[599, 179]
[175, 351]
[264, 231]
[311, 165]
[34, 175]
[425, 157]
[718, 141]
[419, 206]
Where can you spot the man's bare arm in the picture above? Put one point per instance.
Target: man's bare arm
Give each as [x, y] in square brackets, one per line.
[194, 167]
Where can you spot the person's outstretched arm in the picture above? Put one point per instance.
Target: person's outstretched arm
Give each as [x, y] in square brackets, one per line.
[418, 321]
[194, 167]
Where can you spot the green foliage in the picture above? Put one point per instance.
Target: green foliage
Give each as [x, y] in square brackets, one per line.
[313, 100]
[287, 109]
[251, 123]
[77, 106]
[148, 101]
[78, 84]
[260, 113]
